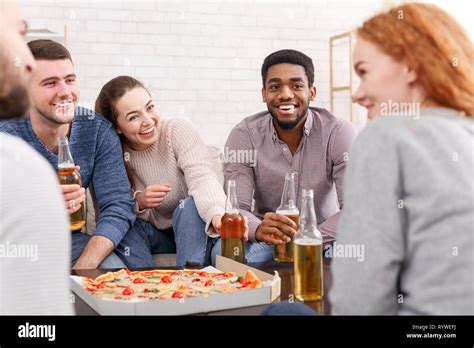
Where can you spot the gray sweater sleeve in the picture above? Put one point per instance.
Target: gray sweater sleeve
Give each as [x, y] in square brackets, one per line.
[372, 217]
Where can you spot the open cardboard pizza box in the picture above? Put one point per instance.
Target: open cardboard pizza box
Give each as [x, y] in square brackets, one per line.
[268, 293]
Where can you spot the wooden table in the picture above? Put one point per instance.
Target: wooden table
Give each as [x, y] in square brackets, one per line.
[285, 270]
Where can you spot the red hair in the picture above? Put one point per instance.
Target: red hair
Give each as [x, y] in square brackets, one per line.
[433, 44]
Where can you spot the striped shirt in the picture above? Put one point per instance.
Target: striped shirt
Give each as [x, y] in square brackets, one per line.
[257, 159]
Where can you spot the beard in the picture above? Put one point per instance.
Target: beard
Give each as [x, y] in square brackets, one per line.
[16, 103]
[288, 124]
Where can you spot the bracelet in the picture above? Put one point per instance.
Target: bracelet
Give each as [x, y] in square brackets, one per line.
[135, 194]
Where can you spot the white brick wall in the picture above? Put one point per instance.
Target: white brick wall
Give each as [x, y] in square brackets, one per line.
[200, 59]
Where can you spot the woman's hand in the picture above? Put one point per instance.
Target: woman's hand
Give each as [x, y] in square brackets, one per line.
[152, 196]
[216, 223]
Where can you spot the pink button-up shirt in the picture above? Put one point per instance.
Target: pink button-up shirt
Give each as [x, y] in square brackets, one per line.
[258, 159]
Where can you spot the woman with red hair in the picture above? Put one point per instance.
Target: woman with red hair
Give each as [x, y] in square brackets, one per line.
[409, 200]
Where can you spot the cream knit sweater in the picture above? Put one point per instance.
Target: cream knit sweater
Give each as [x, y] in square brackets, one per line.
[181, 159]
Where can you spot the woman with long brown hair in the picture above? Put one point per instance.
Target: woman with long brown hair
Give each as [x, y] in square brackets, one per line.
[179, 200]
[178, 196]
[409, 185]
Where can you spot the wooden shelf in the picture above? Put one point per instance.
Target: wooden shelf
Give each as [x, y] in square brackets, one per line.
[333, 88]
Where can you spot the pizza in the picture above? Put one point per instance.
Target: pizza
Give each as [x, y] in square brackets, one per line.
[167, 284]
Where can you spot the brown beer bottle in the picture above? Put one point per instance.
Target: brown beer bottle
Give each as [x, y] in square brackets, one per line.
[284, 252]
[232, 227]
[308, 253]
[68, 175]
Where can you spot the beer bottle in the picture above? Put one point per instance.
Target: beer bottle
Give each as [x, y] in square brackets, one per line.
[68, 175]
[232, 227]
[308, 253]
[284, 252]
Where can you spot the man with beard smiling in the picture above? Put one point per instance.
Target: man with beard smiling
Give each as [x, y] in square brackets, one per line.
[95, 147]
[32, 213]
[289, 137]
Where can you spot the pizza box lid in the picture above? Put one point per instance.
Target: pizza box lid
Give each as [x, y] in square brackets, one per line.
[269, 292]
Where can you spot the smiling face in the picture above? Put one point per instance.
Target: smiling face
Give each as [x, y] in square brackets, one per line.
[54, 91]
[287, 94]
[382, 79]
[137, 119]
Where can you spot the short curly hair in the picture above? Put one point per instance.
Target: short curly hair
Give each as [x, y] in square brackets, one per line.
[291, 57]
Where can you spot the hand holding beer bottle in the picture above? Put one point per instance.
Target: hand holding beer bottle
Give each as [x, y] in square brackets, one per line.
[275, 229]
[279, 228]
[73, 195]
[217, 224]
[71, 183]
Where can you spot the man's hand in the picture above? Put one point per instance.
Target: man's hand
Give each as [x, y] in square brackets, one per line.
[152, 196]
[96, 250]
[217, 224]
[275, 229]
[74, 195]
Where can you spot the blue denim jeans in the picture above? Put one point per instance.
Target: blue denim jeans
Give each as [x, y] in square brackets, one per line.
[192, 243]
[186, 238]
[254, 252]
[142, 241]
[79, 241]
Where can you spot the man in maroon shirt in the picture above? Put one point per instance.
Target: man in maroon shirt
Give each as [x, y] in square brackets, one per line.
[289, 137]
